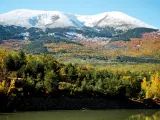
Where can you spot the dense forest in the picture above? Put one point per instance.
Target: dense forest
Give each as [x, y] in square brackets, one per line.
[24, 75]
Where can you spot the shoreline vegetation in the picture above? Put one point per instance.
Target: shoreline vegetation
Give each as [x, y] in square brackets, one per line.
[42, 82]
[67, 103]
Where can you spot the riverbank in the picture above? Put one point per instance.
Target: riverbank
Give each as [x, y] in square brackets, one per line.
[46, 103]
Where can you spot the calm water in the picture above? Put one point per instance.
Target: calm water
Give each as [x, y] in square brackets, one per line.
[85, 115]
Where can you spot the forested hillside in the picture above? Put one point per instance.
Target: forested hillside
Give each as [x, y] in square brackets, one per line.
[44, 75]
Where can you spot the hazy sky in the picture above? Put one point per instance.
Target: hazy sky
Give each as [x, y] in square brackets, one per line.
[145, 10]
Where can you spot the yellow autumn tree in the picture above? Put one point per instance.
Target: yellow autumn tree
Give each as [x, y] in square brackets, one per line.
[152, 87]
[145, 87]
[2, 89]
[155, 85]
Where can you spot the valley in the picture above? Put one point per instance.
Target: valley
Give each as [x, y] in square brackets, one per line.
[93, 51]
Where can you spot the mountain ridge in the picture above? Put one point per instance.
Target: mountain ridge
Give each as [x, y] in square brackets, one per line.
[54, 19]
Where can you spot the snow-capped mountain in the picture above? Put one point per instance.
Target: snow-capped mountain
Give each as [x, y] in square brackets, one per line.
[39, 19]
[56, 19]
[114, 19]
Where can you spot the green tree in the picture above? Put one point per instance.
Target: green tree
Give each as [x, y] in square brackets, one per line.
[51, 81]
[9, 63]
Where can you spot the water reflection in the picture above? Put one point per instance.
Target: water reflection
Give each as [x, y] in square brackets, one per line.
[148, 115]
[85, 115]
